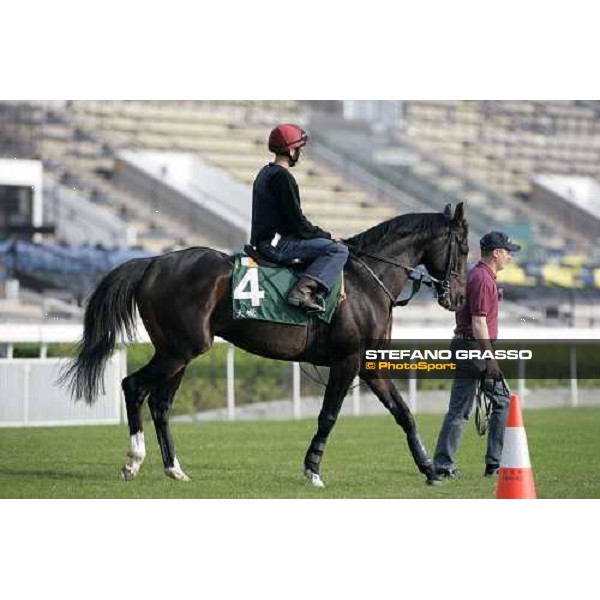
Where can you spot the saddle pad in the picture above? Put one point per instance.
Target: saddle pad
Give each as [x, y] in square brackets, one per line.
[260, 293]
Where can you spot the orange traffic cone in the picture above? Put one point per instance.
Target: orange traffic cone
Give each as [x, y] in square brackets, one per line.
[515, 479]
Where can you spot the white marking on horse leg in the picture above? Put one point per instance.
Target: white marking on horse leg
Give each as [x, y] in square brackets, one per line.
[314, 479]
[176, 472]
[135, 456]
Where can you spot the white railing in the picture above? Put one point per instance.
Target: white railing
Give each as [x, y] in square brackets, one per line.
[29, 395]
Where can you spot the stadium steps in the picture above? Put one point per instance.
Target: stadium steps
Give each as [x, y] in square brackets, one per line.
[226, 135]
[81, 160]
[137, 213]
[218, 137]
[530, 136]
[507, 181]
[349, 211]
[314, 194]
[304, 177]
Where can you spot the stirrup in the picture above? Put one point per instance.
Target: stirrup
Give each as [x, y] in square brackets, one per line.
[321, 307]
[317, 309]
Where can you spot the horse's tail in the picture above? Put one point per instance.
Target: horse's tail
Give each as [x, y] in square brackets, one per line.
[110, 311]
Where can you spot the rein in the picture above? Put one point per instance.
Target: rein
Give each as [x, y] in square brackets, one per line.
[442, 286]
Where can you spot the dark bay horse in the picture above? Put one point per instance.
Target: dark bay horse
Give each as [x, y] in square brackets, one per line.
[184, 300]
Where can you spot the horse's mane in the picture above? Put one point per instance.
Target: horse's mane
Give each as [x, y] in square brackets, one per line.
[422, 225]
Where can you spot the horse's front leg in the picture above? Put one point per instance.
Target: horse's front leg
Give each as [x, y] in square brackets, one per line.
[341, 375]
[390, 397]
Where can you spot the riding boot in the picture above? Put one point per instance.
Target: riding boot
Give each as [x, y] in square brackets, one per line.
[302, 295]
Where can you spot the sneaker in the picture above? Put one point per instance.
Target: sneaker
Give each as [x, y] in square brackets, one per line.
[491, 470]
[448, 473]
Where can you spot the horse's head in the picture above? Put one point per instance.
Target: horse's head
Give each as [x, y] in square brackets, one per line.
[446, 259]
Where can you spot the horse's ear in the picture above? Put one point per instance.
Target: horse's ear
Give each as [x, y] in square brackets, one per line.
[448, 211]
[459, 214]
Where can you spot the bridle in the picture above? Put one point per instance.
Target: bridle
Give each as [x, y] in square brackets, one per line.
[442, 286]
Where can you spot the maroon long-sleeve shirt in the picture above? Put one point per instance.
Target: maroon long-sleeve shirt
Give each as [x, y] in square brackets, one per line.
[482, 301]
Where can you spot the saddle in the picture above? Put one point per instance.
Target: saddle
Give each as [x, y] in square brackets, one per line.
[267, 258]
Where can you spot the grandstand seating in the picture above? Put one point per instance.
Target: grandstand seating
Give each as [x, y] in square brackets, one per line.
[73, 268]
[555, 274]
[229, 135]
[482, 151]
[503, 143]
[515, 275]
[454, 150]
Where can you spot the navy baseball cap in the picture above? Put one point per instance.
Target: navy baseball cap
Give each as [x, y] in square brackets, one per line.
[497, 239]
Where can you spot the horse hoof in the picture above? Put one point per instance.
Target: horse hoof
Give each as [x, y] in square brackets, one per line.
[434, 482]
[434, 479]
[129, 473]
[314, 479]
[176, 473]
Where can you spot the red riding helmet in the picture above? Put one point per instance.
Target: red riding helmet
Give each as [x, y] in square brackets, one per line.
[287, 137]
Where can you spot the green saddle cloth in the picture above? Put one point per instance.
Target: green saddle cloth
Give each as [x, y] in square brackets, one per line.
[260, 293]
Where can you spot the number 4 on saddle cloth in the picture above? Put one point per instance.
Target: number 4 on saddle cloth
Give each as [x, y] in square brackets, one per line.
[260, 292]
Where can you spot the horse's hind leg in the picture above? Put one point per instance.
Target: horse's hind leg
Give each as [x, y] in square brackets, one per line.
[160, 402]
[135, 393]
[390, 397]
[136, 387]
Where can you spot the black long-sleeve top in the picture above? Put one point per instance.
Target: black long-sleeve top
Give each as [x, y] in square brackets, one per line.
[276, 207]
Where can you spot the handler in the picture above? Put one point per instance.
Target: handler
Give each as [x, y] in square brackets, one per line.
[477, 328]
[276, 210]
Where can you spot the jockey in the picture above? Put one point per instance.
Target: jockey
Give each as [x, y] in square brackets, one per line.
[276, 210]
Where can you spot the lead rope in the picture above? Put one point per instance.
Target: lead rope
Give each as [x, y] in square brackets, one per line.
[483, 409]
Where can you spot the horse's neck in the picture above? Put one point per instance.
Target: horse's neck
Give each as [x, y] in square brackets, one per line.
[404, 252]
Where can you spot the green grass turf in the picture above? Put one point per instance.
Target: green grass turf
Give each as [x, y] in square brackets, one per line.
[366, 457]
